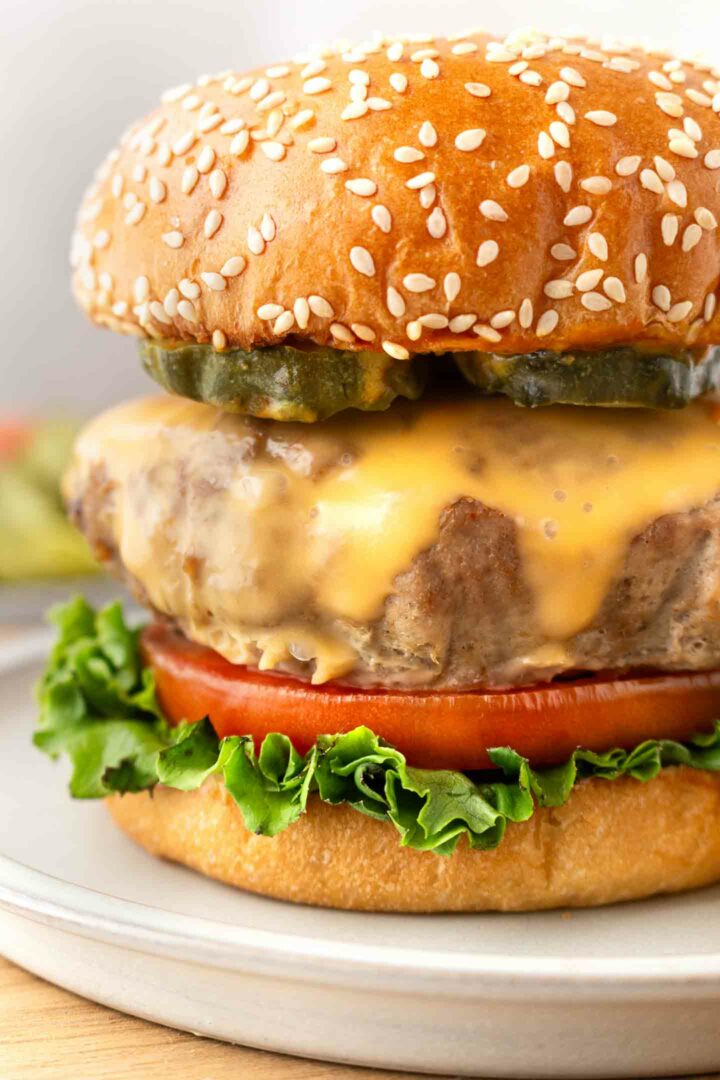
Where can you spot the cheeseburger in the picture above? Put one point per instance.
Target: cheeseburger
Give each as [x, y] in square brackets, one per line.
[428, 519]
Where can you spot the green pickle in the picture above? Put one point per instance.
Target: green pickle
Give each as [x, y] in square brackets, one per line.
[281, 382]
[624, 376]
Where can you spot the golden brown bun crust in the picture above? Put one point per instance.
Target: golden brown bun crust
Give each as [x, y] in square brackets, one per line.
[621, 151]
[618, 840]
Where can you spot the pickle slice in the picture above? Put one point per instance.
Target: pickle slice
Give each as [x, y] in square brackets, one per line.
[624, 376]
[281, 382]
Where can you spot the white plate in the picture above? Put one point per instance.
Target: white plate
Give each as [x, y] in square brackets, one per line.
[632, 990]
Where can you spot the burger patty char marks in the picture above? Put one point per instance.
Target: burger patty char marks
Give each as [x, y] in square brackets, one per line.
[463, 611]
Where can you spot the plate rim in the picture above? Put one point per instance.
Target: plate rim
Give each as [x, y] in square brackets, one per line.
[78, 909]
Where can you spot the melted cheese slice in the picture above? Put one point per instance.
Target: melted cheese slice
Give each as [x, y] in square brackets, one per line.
[241, 528]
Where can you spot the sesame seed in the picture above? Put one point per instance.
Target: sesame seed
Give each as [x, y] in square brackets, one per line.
[595, 301]
[664, 169]
[651, 181]
[240, 143]
[278, 72]
[120, 308]
[175, 93]
[601, 117]
[698, 98]
[563, 173]
[679, 311]
[572, 77]
[218, 183]
[320, 307]
[361, 186]
[691, 237]
[354, 111]
[626, 166]
[615, 289]
[579, 215]
[501, 319]
[670, 104]
[705, 218]
[365, 333]
[558, 289]
[464, 48]
[677, 193]
[316, 85]
[434, 321]
[565, 111]
[492, 210]
[546, 147]
[427, 134]
[418, 283]
[560, 133]
[187, 311]
[451, 286]
[395, 303]
[398, 82]
[684, 147]
[669, 228]
[531, 78]
[271, 101]
[275, 151]
[661, 81]
[158, 190]
[429, 69]
[232, 126]
[563, 252]
[141, 289]
[206, 159]
[362, 261]
[487, 332]
[139, 173]
[268, 312]
[173, 239]
[420, 181]
[212, 223]
[461, 323]
[423, 54]
[525, 314]
[301, 311]
[255, 241]
[358, 77]
[437, 224]
[478, 89]
[284, 322]
[189, 289]
[641, 265]
[588, 280]
[302, 119]
[382, 217]
[184, 143]
[661, 297]
[408, 154]
[712, 159]
[135, 214]
[596, 185]
[334, 165]
[427, 196]
[487, 252]
[315, 67]
[470, 139]
[398, 352]
[394, 53]
[259, 89]
[598, 246]
[547, 323]
[324, 144]
[214, 281]
[692, 129]
[557, 91]
[219, 341]
[234, 266]
[518, 177]
[171, 301]
[709, 308]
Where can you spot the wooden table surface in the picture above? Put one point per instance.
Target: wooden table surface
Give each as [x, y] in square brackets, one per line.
[49, 1034]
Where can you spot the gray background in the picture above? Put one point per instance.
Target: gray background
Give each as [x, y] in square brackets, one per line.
[73, 74]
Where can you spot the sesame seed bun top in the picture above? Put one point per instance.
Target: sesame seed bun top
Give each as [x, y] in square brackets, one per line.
[418, 196]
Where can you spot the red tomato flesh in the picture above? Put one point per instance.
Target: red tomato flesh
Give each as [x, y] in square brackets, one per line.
[435, 730]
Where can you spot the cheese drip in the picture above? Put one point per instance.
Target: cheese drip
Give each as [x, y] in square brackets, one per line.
[238, 527]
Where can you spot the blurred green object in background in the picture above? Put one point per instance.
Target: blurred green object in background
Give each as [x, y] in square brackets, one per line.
[36, 539]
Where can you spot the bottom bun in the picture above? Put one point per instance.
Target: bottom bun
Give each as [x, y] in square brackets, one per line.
[617, 840]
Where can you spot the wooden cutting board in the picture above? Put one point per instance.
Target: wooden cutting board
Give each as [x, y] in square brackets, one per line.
[50, 1034]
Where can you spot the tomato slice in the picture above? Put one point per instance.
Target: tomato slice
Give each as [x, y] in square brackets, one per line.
[437, 730]
[14, 437]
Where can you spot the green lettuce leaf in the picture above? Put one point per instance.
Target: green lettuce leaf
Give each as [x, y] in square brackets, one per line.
[98, 706]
